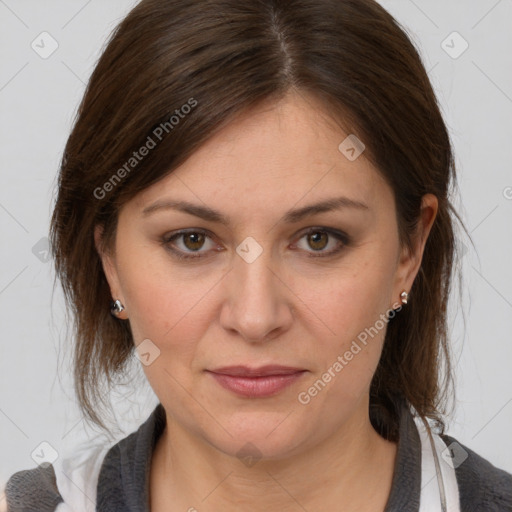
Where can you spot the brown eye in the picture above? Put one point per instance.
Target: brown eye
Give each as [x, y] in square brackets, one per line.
[323, 242]
[193, 241]
[318, 240]
[189, 244]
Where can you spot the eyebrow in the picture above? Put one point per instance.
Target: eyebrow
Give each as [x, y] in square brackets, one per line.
[291, 216]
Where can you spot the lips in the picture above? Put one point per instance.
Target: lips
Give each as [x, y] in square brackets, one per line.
[262, 371]
[262, 382]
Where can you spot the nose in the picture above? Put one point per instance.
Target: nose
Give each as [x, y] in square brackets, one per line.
[257, 304]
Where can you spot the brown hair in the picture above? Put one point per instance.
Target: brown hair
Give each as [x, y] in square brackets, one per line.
[221, 57]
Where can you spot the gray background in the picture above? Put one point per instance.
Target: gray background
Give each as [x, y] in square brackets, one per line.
[38, 100]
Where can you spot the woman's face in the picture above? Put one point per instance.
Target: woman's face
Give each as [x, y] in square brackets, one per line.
[258, 289]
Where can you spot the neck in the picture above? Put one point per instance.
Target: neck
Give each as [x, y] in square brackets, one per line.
[353, 467]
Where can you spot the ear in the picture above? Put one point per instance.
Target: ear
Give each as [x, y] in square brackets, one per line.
[108, 262]
[410, 261]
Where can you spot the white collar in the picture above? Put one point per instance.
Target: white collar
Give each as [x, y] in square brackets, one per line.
[438, 477]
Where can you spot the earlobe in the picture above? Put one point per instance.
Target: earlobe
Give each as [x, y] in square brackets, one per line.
[410, 260]
[110, 271]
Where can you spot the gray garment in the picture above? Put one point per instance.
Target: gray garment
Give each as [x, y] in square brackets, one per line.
[123, 484]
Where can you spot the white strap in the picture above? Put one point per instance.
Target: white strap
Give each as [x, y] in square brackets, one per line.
[430, 499]
[77, 479]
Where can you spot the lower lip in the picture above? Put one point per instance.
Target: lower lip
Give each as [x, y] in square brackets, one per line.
[256, 387]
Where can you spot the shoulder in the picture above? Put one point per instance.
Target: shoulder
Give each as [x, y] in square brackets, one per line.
[33, 489]
[482, 486]
[68, 484]
[82, 474]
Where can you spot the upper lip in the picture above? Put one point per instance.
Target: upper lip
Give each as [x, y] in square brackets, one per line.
[246, 371]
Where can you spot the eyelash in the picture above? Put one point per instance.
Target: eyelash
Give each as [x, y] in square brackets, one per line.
[342, 237]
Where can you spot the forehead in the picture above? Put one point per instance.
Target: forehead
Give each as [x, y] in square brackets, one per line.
[270, 158]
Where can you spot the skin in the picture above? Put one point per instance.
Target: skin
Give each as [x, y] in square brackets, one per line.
[284, 308]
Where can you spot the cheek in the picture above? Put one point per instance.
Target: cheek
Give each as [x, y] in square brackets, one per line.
[167, 313]
[153, 287]
[164, 302]
[171, 314]
[351, 298]
[350, 323]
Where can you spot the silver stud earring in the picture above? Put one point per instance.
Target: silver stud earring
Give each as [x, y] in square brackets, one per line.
[116, 308]
[403, 297]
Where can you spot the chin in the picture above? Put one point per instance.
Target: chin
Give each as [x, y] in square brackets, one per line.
[268, 438]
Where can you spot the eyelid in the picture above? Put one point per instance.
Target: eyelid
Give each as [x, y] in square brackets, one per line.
[341, 236]
[167, 239]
